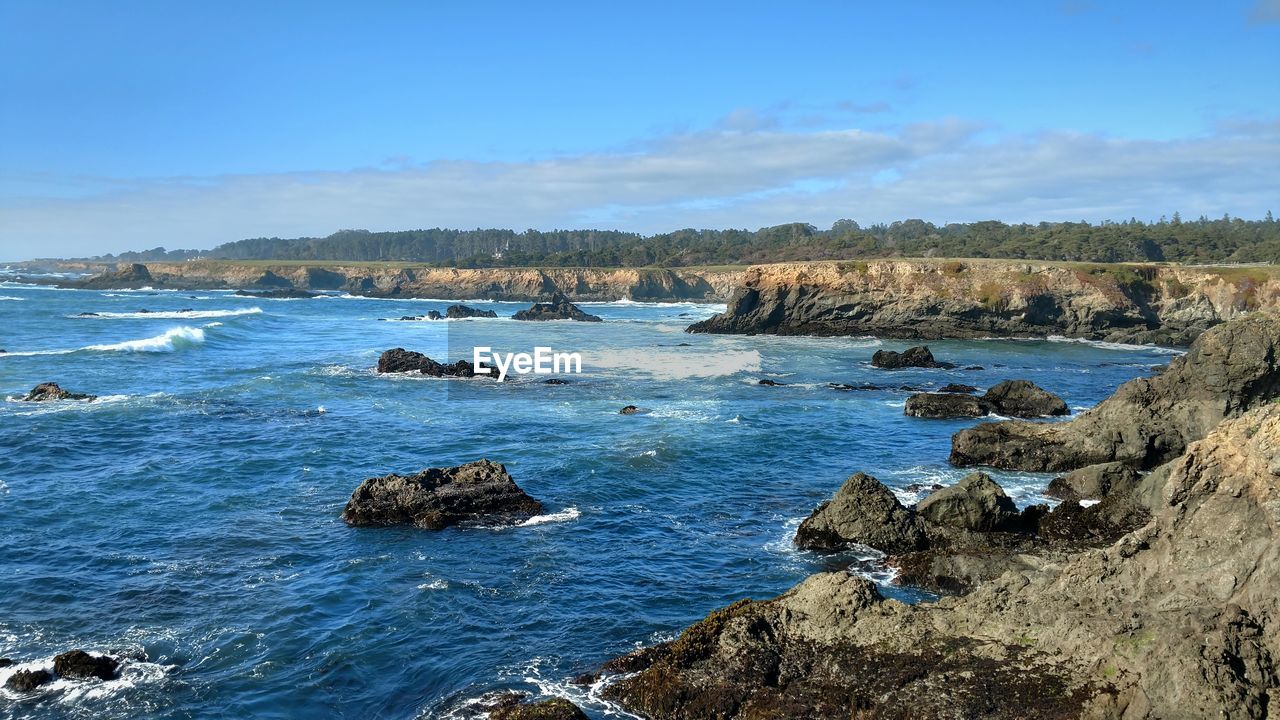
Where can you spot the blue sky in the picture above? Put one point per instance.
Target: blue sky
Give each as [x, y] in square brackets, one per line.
[135, 124]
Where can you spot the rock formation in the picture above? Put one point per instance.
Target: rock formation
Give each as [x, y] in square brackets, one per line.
[46, 392]
[439, 497]
[1015, 398]
[558, 309]
[399, 360]
[945, 405]
[28, 680]
[133, 277]
[80, 665]
[916, 357]
[458, 312]
[1148, 421]
[863, 512]
[552, 709]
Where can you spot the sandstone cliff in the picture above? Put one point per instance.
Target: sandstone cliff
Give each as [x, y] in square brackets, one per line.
[388, 280]
[930, 299]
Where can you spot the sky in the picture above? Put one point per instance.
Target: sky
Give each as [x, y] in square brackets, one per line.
[131, 125]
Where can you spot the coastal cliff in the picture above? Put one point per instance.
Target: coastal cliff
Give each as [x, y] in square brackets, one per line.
[405, 281]
[932, 299]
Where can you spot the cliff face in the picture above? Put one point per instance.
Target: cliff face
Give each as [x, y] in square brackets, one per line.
[453, 284]
[981, 298]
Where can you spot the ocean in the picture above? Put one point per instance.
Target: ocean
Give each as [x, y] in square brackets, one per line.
[189, 518]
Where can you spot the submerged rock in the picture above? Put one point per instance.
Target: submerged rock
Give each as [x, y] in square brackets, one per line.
[1148, 421]
[916, 357]
[458, 312]
[399, 360]
[945, 405]
[558, 309]
[770, 383]
[45, 392]
[80, 665]
[439, 497]
[553, 709]
[864, 512]
[28, 680]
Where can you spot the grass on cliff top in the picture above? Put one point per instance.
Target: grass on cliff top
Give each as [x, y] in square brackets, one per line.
[402, 265]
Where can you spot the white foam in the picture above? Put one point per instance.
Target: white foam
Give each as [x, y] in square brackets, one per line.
[167, 341]
[563, 516]
[435, 585]
[681, 364]
[1089, 503]
[169, 315]
[9, 297]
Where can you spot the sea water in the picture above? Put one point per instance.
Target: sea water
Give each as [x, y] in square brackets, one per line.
[190, 516]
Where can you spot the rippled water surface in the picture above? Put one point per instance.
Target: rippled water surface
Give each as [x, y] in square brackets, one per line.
[191, 513]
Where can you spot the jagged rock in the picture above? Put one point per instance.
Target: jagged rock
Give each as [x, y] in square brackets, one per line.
[287, 293]
[916, 357]
[845, 386]
[955, 388]
[28, 680]
[1094, 481]
[771, 383]
[945, 405]
[630, 410]
[975, 503]
[558, 309]
[865, 512]
[1148, 421]
[439, 497]
[1022, 398]
[132, 277]
[80, 665]
[458, 312]
[553, 709]
[399, 360]
[45, 392]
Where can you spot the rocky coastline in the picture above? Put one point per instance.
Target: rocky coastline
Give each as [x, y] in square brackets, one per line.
[1153, 599]
[932, 299]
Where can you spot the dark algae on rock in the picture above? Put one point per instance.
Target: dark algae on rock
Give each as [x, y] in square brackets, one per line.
[436, 498]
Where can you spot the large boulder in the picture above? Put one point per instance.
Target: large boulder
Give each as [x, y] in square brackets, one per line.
[439, 497]
[399, 360]
[1094, 482]
[945, 405]
[27, 680]
[862, 512]
[1024, 399]
[975, 503]
[130, 277]
[916, 357]
[1148, 421]
[552, 709]
[80, 665]
[459, 312]
[46, 392]
[558, 309]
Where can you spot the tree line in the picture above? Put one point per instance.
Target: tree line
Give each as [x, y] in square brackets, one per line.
[1204, 240]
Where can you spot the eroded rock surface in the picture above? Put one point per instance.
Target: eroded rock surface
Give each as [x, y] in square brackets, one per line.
[439, 497]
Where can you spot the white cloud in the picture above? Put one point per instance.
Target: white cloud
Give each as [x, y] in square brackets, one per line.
[943, 171]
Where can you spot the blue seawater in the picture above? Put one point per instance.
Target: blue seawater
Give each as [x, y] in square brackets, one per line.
[192, 513]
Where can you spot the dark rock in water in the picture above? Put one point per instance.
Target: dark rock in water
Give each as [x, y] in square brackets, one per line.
[945, 405]
[916, 357]
[5, 662]
[923, 487]
[974, 367]
[434, 315]
[771, 383]
[88, 314]
[132, 277]
[553, 709]
[954, 388]
[555, 381]
[865, 512]
[1022, 398]
[80, 665]
[459, 312]
[187, 310]
[284, 293]
[1148, 421]
[143, 311]
[399, 360]
[845, 386]
[439, 497]
[558, 309]
[45, 392]
[1094, 482]
[630, 410]
[28, 680]
[975, 503]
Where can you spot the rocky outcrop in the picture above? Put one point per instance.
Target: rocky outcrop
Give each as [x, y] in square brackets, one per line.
[28, 680]
[132, 277]
[552, 709]
[47, 392]
[80, 665]
[1148, 421]
[976, 504]
[1095, 482]
[916, 357]
[558, 309]
[459, 312]
[1014, 398]
[1176, 616]
[862, 512]
[929, 299]
[399, 360]
[439, 497]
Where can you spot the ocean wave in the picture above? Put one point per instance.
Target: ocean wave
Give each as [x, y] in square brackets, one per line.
[170, 314]
[9, 297]
[1125, 347]
[167, 341]
[563, 516]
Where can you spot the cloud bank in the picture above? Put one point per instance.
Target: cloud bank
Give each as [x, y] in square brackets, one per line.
[736, 175]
